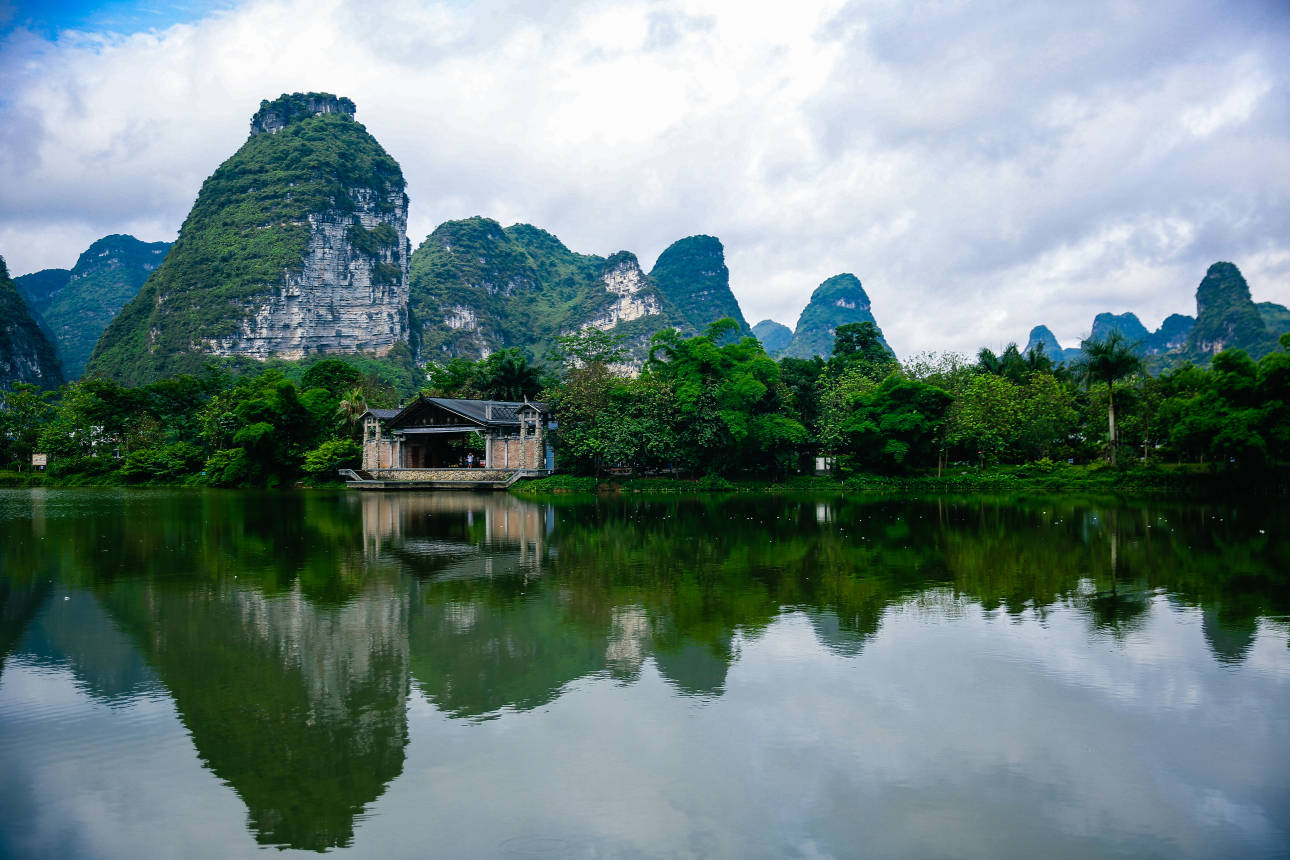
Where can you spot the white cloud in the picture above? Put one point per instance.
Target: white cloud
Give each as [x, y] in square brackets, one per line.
[982, 167]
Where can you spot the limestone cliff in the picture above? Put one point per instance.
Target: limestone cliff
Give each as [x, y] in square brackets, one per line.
[26, 354]
[634, 296]
[350, 295]
[839, 300]
[296, 245]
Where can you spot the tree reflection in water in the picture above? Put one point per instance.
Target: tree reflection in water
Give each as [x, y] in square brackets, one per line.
[289, 629]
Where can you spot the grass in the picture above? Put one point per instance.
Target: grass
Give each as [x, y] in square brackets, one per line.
[1188, 480]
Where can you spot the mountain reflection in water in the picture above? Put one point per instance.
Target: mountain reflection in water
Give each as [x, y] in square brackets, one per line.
[289, 630]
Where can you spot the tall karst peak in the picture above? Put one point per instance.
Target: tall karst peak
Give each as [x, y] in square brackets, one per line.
[273, 116]
[1226, 317]
[1127, 324]
[692, 276]
[296, 244]
[837, 301]
[1042, 336]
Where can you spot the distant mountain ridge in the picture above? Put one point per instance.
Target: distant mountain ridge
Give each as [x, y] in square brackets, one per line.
[77, 306]
[773, 336]
[1226, 317]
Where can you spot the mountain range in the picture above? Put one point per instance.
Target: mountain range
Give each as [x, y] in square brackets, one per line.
[1226, 317]
[296, 246]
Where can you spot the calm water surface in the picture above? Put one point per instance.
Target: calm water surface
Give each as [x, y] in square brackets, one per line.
[207, 674]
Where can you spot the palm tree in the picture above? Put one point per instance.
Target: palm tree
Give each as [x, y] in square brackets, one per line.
[1109, 361]
[351, 407]
[507, 375]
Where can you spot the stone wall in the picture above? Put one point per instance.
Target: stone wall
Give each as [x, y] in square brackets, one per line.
[377, 454]
[442, 474]
[512, 452]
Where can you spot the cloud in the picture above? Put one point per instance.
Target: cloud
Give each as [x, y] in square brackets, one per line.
[982, 167]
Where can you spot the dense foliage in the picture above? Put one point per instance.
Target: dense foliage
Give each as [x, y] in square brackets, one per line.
[699, 407]
[264, 429]
[249, 226]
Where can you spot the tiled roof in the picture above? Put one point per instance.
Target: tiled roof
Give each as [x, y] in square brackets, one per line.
[502, 412]
[383, 414]
[488, 413]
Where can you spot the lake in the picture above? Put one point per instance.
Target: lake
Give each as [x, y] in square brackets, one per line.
[208, 673]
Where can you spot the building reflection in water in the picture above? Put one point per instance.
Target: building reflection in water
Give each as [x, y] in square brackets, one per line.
[457, 535]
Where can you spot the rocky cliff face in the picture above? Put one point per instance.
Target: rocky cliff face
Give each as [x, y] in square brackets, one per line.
[773, 336]
[296, 245]
[634, 296]
[838, 301]
[273, 116]
[350, 295]
[26, 354]
[107, 275]
[692, 276]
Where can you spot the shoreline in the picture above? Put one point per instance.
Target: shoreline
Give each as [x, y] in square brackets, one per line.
[1189, 481]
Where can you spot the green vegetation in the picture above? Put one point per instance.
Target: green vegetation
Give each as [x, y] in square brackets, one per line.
[692, 276]
[248, 228]
[478, 288]
[212, 429]
[773, 336]
[839, 301]
[1226, 317]
[26, 353]
[935, 423]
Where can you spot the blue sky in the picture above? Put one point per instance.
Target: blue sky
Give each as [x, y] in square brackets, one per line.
[48, 18]
[982, 166]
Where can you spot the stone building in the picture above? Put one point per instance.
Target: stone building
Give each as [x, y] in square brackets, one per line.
[433, 437]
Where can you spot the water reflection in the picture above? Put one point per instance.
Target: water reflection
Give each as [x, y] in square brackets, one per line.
[290, 630]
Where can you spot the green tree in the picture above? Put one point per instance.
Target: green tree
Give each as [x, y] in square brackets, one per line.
[508, 375]
[1108, 361]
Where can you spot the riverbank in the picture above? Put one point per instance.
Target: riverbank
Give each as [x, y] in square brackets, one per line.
[1188, 480]
[1183, 481]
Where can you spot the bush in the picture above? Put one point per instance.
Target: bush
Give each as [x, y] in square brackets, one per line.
[170, 464]
[332, 455]
[228, 467]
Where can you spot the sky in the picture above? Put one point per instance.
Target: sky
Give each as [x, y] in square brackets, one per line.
[982, 166]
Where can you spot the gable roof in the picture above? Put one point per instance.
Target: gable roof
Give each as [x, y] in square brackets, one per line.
[485, 413]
